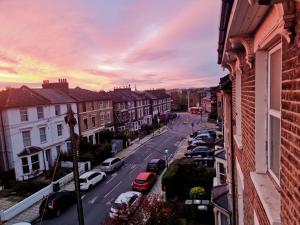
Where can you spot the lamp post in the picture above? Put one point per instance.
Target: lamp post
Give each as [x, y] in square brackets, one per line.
[71, 120]
[166, 156]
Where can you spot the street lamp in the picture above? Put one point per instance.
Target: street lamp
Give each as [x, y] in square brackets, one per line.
[166, 155]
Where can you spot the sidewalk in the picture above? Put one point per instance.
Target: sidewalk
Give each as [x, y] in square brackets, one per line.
[32, 213]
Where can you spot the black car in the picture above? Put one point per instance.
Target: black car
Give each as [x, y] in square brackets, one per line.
[156, 166]
[197, 143]
[202, 151]
[56, 203]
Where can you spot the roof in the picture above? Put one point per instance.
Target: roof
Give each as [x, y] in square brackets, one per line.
[124, 197]
[143, 175]
[221, 155]
[83, 95]
[21, 97]
[220, 197]
[154, 160]
[54, 95]
[109, 160]
[225, 83]
[30, 150]
[157, 94]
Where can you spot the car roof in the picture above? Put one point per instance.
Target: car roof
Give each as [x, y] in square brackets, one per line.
[55, 195]
[109, 160]
[87, 174]
[143, 175]
[201, 147]
[154, 161]
[125, 197]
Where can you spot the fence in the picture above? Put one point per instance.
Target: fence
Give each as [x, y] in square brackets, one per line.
[16, 209]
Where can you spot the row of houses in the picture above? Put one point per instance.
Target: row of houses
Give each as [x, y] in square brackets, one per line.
[259, 43]
[33, 129]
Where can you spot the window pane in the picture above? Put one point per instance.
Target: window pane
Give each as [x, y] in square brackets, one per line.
[35, 162]
[275, 79]
[57, 110]
[40, 112]
[274, 145]
[43, 136]
[26, 138]
[23, 114]
[25, 165]
[59, 130]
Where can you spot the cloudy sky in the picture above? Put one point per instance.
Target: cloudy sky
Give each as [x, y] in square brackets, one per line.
[101, 44]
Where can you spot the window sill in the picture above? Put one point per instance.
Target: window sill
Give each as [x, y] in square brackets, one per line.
[268, 195]
[238, 141]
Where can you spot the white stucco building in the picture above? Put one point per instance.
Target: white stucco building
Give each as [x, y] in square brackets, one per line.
[35, 131]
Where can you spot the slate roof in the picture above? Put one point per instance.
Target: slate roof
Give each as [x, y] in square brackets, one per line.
[83, 95]
[21, 97]
[221, 198]
[157, 94]
[221, 155]
[55, 96]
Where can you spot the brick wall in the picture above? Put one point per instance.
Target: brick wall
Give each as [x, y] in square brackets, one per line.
[290, 131]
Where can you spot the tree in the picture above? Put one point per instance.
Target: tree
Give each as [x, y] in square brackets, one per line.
[197, 192]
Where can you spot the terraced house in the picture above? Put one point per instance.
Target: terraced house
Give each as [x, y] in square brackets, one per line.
[95, 113]
[33, 129]
[160, 101]
[259, 43]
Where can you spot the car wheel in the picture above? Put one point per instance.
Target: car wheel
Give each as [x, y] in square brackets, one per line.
[104, 177]
[58, 212]
[114, 169]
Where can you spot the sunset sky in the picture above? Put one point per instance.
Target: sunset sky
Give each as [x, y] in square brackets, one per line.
[101, 44]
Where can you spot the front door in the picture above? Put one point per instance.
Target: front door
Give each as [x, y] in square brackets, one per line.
[48, 157]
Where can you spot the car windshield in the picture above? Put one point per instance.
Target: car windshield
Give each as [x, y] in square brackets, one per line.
[105, 164]
[152, 165]
[118, 206]
[139, 181]
[81, 180]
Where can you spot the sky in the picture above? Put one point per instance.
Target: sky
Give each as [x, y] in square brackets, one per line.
[102, 44]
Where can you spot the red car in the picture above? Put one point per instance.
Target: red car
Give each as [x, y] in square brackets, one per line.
[144, 181]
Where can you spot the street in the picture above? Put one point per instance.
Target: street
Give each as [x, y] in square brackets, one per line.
[97, 202]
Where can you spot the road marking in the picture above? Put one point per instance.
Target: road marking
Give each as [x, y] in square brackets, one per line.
[176, 143]
[108, 193]
[112, 177]
[133, 166]
[132, 170]
[148, 156]
[83, 196]
[92, 201]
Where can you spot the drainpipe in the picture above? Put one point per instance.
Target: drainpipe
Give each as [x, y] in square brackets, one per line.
[233, 222]
[6, 166]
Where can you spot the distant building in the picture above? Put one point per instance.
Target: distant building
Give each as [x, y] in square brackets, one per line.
[160, 101]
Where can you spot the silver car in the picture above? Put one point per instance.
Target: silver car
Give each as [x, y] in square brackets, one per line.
[111, 164]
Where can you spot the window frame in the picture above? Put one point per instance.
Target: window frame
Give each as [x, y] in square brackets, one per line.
[59, 134]
[25, 165]
[35, 162]
[45, 140]
[29, 138]
[22, 110]
[40, 112]
[273, 113]
[57, 110]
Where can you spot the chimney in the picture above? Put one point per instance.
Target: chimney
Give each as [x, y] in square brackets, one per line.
[62, 85]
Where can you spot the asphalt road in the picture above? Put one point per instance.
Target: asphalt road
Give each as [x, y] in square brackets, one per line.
[97, 202]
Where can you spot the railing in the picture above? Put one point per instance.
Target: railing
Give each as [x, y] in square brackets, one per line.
[16, 209]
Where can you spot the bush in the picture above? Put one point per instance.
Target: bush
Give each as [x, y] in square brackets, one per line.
[197, 192]
[105, 136]
[103, 152]
[27, 188]
[169, 180]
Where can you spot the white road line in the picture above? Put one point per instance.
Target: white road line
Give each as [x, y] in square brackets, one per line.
[133, 166]
[92, 201]
[148, 156]
[108, 193]
[112, 177]
[132, 170]
[83, 196]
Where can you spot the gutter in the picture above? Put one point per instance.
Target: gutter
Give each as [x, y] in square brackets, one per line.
[225, 15]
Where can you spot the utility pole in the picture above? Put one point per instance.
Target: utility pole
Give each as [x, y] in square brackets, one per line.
[71, 120]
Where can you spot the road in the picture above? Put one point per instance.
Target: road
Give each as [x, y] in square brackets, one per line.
[97, 202]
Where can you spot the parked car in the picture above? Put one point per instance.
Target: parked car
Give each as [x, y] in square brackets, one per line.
[202, 151]
[56, 203]
[156, 166]
[144, 181]
[211, 132]
[125, 205]
[204, 137]
[22, 223]
[90, 179]
[111, 164]
[196, 143]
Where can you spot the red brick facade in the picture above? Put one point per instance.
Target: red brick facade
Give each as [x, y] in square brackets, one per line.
[289, 188]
